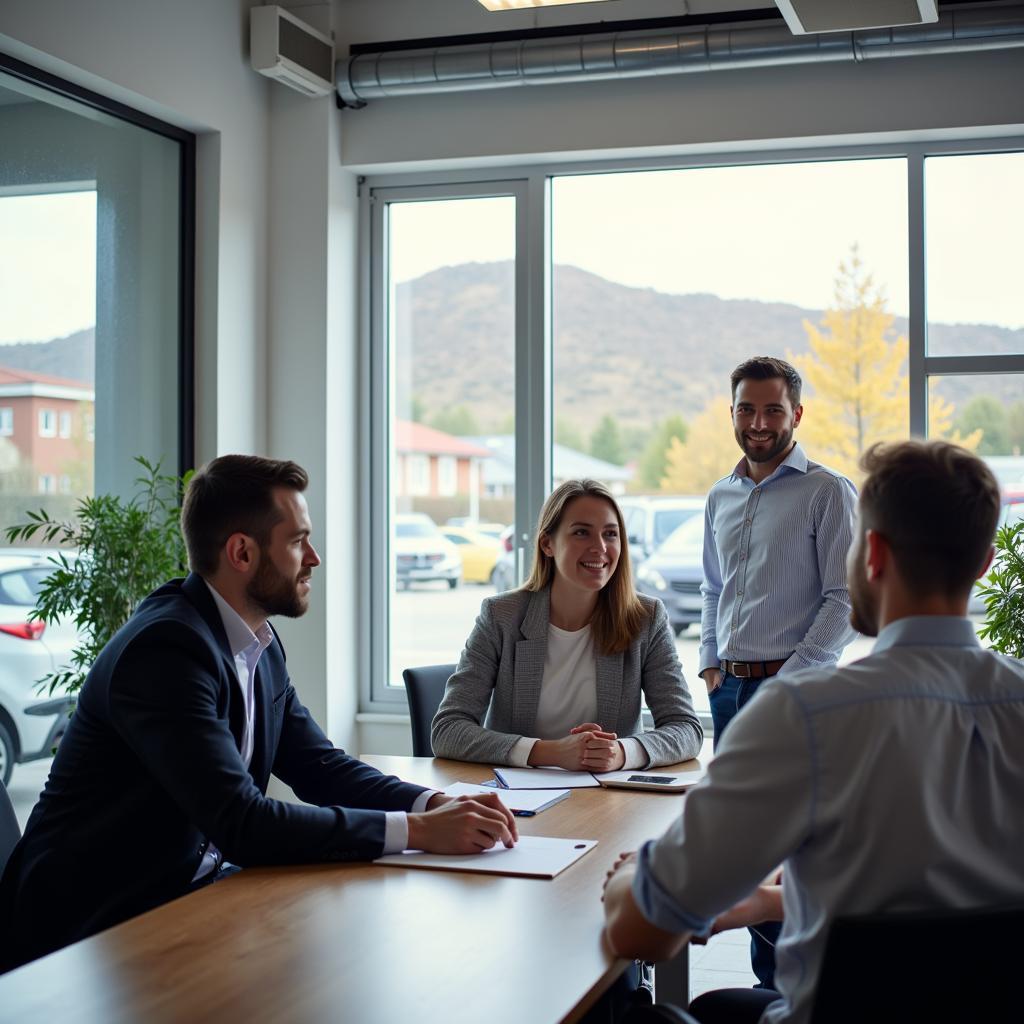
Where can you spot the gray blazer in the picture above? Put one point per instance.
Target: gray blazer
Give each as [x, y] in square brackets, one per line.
[499, 676]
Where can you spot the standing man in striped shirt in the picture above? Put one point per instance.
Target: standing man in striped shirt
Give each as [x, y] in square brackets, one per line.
[776, 533]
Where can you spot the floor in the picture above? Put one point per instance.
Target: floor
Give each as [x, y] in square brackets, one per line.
[723, 963]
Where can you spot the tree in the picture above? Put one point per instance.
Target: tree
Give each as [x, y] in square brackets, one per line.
[568, 433]
[987, 414]
[654, 458]
[708, 453]
[606, 443]
[857, 388]
[418, 411]
[457, 420]
[1015, 427]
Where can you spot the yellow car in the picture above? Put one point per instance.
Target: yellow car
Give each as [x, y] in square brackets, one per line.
[479, 552]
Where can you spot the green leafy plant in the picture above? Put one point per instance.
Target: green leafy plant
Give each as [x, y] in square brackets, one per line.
[1003, 593]
[116, 552]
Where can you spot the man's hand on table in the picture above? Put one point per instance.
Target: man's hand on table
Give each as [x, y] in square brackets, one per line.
[464, 824]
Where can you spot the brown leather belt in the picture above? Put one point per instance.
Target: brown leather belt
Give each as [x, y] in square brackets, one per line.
[753, 669]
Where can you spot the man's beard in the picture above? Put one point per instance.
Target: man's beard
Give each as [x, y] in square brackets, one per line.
[782, 442]
[275, 593]
[863, 612]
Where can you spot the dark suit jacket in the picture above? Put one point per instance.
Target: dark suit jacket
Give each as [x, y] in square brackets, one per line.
[149, 772]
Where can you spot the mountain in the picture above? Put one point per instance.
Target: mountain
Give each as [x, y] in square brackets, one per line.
[73, 356]
[639, 354]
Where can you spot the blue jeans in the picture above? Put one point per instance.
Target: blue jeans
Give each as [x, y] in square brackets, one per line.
[726, 702]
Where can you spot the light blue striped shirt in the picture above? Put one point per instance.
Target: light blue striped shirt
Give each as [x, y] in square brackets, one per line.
[775, 566]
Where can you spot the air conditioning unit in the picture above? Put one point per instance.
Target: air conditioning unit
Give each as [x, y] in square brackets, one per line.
[285, 48]
[808, 17]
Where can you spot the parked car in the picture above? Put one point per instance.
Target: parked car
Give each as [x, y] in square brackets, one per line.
[650, 520]
[674, 573]
[478, 551]
[31, 723]
[1012, 512]
[422, 553]
[504, 575]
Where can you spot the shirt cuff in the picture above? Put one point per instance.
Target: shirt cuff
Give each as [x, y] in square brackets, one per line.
[657, 904]
[708, 658]
[636, 756]
[519, 757]
[396, 823]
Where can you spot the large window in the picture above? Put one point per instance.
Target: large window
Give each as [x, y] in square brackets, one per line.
[96, 216]
[637, 290]
[446, 483]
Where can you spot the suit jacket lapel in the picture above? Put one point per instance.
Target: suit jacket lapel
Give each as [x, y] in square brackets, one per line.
[529, 663]
[196, 590]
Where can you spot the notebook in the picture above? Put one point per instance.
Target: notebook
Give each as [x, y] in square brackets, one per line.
[526, 802]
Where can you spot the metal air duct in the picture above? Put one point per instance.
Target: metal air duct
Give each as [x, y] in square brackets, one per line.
[599, 56]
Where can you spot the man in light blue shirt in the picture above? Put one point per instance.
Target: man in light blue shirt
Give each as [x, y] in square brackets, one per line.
[895, 783]
[776, 533]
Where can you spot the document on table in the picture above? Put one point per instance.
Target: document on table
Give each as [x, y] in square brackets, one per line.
[531, 857]
[543, 778]
[519, 801]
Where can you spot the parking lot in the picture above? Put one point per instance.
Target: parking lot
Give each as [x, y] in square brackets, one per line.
[430, 624]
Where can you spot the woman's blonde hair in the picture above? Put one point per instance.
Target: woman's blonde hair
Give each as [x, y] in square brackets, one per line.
[619, 615]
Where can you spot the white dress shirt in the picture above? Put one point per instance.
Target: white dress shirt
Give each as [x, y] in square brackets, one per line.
[893, 783]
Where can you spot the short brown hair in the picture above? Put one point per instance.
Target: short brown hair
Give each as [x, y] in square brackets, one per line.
[937, 505]
[233, 494]
[768, 368]
[619, 615]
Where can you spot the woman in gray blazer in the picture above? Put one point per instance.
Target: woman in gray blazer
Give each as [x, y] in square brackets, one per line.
[552, 673]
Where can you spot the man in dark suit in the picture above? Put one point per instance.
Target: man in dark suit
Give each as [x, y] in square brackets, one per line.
[161, 777]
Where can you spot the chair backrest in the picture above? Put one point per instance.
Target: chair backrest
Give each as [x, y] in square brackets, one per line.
[424, 687]
[950, 965]
[10, 833]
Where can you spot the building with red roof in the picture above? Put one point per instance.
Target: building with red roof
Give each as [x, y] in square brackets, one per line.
[46, 429]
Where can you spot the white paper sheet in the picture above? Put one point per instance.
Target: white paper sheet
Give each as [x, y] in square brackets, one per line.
[532, 856]
[530, 800]
[544, 778]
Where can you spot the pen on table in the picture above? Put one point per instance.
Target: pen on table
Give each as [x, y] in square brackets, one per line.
[524, 814]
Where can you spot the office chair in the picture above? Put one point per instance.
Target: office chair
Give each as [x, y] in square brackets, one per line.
[10, 833]
[424, 686]
[931, 966]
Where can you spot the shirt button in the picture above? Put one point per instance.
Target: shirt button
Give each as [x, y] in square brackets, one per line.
[743, 555]
[747, 522]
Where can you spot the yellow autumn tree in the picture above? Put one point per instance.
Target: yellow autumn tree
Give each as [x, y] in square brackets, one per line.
[857, 389]
[709, 452]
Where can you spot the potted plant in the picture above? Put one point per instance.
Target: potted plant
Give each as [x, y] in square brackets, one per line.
[113, 553]
[1003, 593]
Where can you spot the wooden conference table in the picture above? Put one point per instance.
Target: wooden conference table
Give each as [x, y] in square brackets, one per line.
[357, 942]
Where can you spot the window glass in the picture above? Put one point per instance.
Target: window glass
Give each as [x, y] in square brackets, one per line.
[974, 224]
[89, 300]
[664, 281]
[451, 452]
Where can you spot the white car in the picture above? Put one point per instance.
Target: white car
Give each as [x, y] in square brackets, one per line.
[422, 554]
[31, 722]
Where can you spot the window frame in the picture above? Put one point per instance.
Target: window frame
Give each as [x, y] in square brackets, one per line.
[531, 184]
[186, 265]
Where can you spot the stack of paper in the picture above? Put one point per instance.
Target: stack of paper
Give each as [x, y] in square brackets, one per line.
[532, 857]
[519, 801]
[543, 778]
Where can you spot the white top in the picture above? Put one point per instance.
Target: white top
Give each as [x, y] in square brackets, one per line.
[568, 694]
[893, 783]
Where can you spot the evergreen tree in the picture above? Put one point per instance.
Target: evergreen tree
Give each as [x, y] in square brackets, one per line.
[606, 442]
[654, 458]
[987, 414]
[458, 421]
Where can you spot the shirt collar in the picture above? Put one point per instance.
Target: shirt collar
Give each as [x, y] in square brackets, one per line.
[795, 460]
[240, 637]
[927, 631]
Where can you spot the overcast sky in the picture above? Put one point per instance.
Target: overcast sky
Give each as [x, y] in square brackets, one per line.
[774, 233]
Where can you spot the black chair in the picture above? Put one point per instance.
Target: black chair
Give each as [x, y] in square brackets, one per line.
[10, 833]
[932, 966]
[424, 686]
